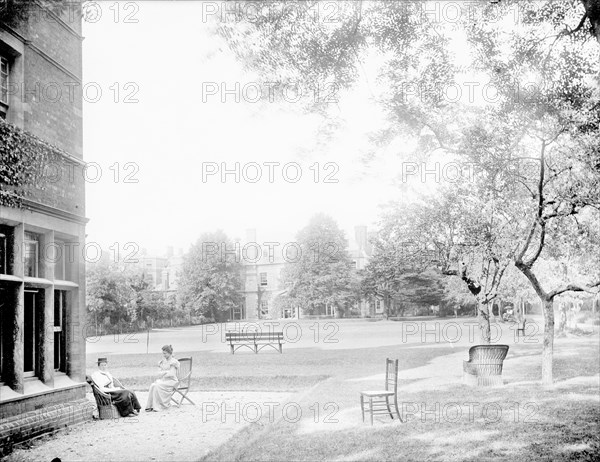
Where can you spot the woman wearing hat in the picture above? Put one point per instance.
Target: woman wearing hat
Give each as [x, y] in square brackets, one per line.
[159, 395]
[125, 400]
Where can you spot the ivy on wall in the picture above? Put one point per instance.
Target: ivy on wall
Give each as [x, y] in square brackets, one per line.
[23, 160]
[16, 11]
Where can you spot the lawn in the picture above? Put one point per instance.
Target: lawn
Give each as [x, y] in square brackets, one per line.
[316, 413]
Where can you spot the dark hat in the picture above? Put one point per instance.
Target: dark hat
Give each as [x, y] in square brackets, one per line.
[102, 360]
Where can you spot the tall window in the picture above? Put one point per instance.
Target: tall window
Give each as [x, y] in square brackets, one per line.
[3, 325]
[264, 308]
[263, 279]
[60, 312]
[31, 331]
[3, 251]
[3, 87]
[31, 255]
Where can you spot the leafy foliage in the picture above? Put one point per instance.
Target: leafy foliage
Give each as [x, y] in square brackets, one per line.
[210, 279]
[22, 160]
[322, 274]
[18, 11]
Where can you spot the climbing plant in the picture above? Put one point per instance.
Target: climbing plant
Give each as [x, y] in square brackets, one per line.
[23, 160]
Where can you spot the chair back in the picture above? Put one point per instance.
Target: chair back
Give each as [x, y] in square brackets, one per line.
[185, 369]
[488, 354]
[391, 374]
[102, 399]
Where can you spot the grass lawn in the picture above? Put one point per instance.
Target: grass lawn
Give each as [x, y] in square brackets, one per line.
[444, 420]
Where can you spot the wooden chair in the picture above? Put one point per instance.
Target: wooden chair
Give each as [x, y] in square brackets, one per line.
[377, 402]
[184, 374]
[484, 367]
[521, 326]
[106, 408]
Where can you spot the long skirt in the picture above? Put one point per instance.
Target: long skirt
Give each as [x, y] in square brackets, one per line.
[160, 393]
[126, 401]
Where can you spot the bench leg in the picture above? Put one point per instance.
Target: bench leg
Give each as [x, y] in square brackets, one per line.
[280, 349]
[362, 407]
[232, 349]
[256, 348]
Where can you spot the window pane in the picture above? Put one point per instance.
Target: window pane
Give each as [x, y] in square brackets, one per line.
[29, 334]
[4, 80]
[59, 261]
[58, 296]
[3, 256]
[31, 255]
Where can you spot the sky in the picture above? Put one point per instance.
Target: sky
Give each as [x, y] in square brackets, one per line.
[161, 138]
[155, 128]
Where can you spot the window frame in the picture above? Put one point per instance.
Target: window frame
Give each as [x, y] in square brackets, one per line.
[263, 281]
[31, 238]
[3, 251]
[35, 333]
[60, 329]
[4, 86]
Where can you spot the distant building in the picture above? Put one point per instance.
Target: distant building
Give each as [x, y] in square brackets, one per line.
[42, 270]
[262, 278]
[263, 281]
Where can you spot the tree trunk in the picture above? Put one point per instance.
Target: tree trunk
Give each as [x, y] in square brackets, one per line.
[483, 316]
[562, 321]
[548, 349]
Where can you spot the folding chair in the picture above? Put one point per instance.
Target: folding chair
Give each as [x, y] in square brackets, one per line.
[377, 402]
[185, 379]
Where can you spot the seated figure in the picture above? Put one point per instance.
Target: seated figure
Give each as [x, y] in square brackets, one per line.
[125, 400]
[161, 391]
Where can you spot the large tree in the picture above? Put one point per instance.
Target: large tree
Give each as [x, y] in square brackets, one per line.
[540, 60]
[321, 274]
[211, 282]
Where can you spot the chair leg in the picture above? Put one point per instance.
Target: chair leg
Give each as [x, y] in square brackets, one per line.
[397, 411]
[387, 403]
[185, 396]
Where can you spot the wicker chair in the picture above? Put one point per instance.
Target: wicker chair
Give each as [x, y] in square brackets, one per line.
[184, 375]
[106, 408]
[484, 367]
[377, 402]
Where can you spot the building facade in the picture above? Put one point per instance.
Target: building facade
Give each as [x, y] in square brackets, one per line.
[42, 232]
[263, 284]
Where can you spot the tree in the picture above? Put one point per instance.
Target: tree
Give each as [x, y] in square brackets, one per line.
[211, 276]
[544, 114]
[109, 295]
[321, 275]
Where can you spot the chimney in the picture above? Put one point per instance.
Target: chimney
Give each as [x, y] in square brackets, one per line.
[251, 253]
[251, 235]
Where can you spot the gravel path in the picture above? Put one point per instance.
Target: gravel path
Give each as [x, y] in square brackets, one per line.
[179, 434]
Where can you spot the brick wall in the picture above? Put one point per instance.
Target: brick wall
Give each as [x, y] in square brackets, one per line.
[64, 185]
[51, 90]
[23, 427]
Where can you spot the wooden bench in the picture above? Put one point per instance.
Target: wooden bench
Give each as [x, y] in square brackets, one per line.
[484, 367]
[254, 340]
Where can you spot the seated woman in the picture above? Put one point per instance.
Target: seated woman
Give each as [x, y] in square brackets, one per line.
[159, 395]
[125, 400]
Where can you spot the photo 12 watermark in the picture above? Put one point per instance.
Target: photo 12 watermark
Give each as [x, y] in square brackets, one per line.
[269, 172]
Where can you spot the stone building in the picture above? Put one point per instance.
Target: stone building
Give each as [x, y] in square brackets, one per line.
[263, 284]
[42, 224]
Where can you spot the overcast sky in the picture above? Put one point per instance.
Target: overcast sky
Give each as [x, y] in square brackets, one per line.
[164, 137]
